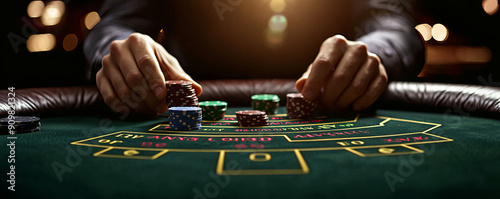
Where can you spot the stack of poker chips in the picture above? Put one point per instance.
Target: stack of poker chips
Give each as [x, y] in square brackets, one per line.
[184, 118]
[297, 107]
[252, 118]
[213, 110]
[180, 93]
[266, 102]
[19, 124]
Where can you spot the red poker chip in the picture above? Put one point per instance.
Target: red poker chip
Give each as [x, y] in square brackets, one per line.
[178, 82]
[294, 95]
[251, 112]
[252, 118]
[298, 107]
[180, 93]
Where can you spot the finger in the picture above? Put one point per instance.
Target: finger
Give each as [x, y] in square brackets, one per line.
[118, 82]
[197, 87]
[359, 83]
[373, 92]
[172, 70]
[143, 96]
[147, 63]
[343, 74]
[299, 84]
[331, 52]
[108, 94]
[114, 75]
[122, 57]
[142, 107]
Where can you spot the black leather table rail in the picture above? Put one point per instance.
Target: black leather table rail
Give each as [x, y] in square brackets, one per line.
[435, 97]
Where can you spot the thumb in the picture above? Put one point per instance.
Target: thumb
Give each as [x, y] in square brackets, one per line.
[299, 84]
[197, 87]
[172, 69]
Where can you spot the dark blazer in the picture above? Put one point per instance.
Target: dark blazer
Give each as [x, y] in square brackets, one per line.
[215, 39]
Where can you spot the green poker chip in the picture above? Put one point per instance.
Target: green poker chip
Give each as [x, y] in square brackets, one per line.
[268, 103]
[216, 104]
[213, 110]
[266, 97]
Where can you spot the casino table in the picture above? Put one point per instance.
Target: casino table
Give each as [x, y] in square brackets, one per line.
[384, 152]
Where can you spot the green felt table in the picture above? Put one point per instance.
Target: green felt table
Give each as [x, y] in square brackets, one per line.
[387, 154]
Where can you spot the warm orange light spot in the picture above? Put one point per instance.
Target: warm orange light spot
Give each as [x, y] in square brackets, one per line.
[35, 9]
[479, 54]
[490, 6]
[277, 6]
[439, 32]
[425, 30]
[91, 19]
[53, 13]
[70, 42]
[41, 42]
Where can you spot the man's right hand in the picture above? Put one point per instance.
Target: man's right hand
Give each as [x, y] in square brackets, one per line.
[133, 74]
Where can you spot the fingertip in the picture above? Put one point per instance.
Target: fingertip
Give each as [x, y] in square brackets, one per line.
[161, 108]
[309, 94]
[299, 84]
[309, 91]
[360, 105]
[197, 88]
[159, 92]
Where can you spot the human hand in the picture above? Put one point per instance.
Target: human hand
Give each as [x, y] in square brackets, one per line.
[344, 75]
[133, 74]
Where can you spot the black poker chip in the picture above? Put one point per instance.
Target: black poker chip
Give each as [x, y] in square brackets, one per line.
[19, 120]
[19, 131]
[19, 124]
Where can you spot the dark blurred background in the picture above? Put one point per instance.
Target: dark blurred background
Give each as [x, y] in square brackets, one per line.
[42, 41]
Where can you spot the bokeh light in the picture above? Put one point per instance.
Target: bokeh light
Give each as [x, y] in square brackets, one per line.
[439, 32]
[275, 32]
[35, 9]
[274, 39]
[41, 42]
[91, 19]
[53, 13]
[490, 6]
[70, 42]
[425, 30]
[277, 6]
[476, 54]
[277, 23]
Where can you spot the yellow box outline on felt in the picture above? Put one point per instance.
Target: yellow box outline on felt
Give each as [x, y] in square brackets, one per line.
[304, 169]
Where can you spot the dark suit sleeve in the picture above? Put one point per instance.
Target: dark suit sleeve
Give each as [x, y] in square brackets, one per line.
[388, 29]
[119, 19]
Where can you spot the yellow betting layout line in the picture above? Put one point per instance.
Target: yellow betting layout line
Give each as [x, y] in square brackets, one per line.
[92, 138]
[302, 162]
[160, 154]
[102, 151]
[297, 151]
[350, 138]
[273, 126]
[437, 136]
[405, 120]
[261, 150]
[355, 152]
[220, 163]
[412, 148]
[270, 127]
